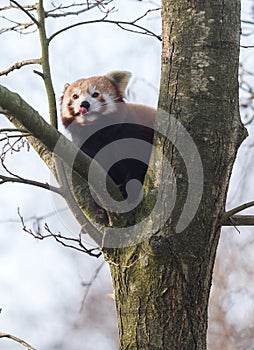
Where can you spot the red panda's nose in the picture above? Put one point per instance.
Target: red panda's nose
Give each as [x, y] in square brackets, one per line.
[85, 104]
[84, 107]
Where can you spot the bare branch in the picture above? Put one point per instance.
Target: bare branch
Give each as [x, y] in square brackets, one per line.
[18, 27]
[17, 340]
[20, 180]
[86, 214]
[37, 219]
[15, 178]
[11, 146]
[247, 22]
[239, 220]
[12, 130]
[121, 24]
[247, 46]
[89, 284]
[7, 137]
[34, 123]
[15, 146]
[145, 14]
[68, 242]
[18, 65]
[100, 4]
[10, 7]
[22, 8]
[236, 210]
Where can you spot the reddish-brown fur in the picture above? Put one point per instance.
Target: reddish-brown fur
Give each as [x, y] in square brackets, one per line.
[133, 121]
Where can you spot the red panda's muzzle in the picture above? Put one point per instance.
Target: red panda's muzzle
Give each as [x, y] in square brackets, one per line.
[83, 110]
[84, 107]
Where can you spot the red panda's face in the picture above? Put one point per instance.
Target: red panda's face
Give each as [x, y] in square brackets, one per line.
[86, 100]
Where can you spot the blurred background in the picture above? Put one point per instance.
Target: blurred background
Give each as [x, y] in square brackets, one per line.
[58, 298]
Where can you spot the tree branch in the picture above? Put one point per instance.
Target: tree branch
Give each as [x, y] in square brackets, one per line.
[60, 170]
[17, 340]
[45, 65]
[18, 65]
[4, 130]
[7, 137]
[20, 180]
[239, 220]
[49, 136]
[236, 210]
[89, 284]
[76, 13]
[10, 7]
[35, 218]
[18, 27]
[85, 209]
[120, 24]
[68, 242]
[44, 140]
[23, 9]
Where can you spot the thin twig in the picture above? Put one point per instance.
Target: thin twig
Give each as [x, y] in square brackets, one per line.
[236, 210]
[36, 218]
[120, 24]
[89, 284]
[7, 137]
[10, 7]
[18, 65]
[63, 240]
[17, 340]
[247, 46]
[75, 13]
[247, 22]
[20, 180]
[18, 27]
[22, 8]
[12, 130]
[239, 220]
[14, 147]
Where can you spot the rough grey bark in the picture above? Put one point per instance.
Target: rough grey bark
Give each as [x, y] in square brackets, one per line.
[162, 285]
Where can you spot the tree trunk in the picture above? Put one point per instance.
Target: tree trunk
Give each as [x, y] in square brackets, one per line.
[162, 284]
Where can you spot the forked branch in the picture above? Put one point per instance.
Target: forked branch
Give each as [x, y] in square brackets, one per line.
[68, 242]
[62, 10]
[236, 210]
[137, 28]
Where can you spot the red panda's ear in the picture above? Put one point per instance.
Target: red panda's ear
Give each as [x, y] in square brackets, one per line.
[121, 79]
[65, 86]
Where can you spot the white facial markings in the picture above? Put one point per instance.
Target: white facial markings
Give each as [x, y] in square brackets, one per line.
[90, 117]
[80, 119]
[109, 103]
[91, 89]
[101, 103]
[76, 91]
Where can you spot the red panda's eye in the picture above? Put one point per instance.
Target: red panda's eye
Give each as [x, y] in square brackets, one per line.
[95, 94]
[75, 96]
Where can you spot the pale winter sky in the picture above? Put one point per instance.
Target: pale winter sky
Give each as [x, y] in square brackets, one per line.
[41, 282]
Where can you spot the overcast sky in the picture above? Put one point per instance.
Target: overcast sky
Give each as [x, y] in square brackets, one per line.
[41, 282]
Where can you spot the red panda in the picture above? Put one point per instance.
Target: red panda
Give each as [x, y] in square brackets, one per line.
[95, 106]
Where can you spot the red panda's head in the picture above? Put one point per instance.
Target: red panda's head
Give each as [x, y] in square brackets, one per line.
[86, 100]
